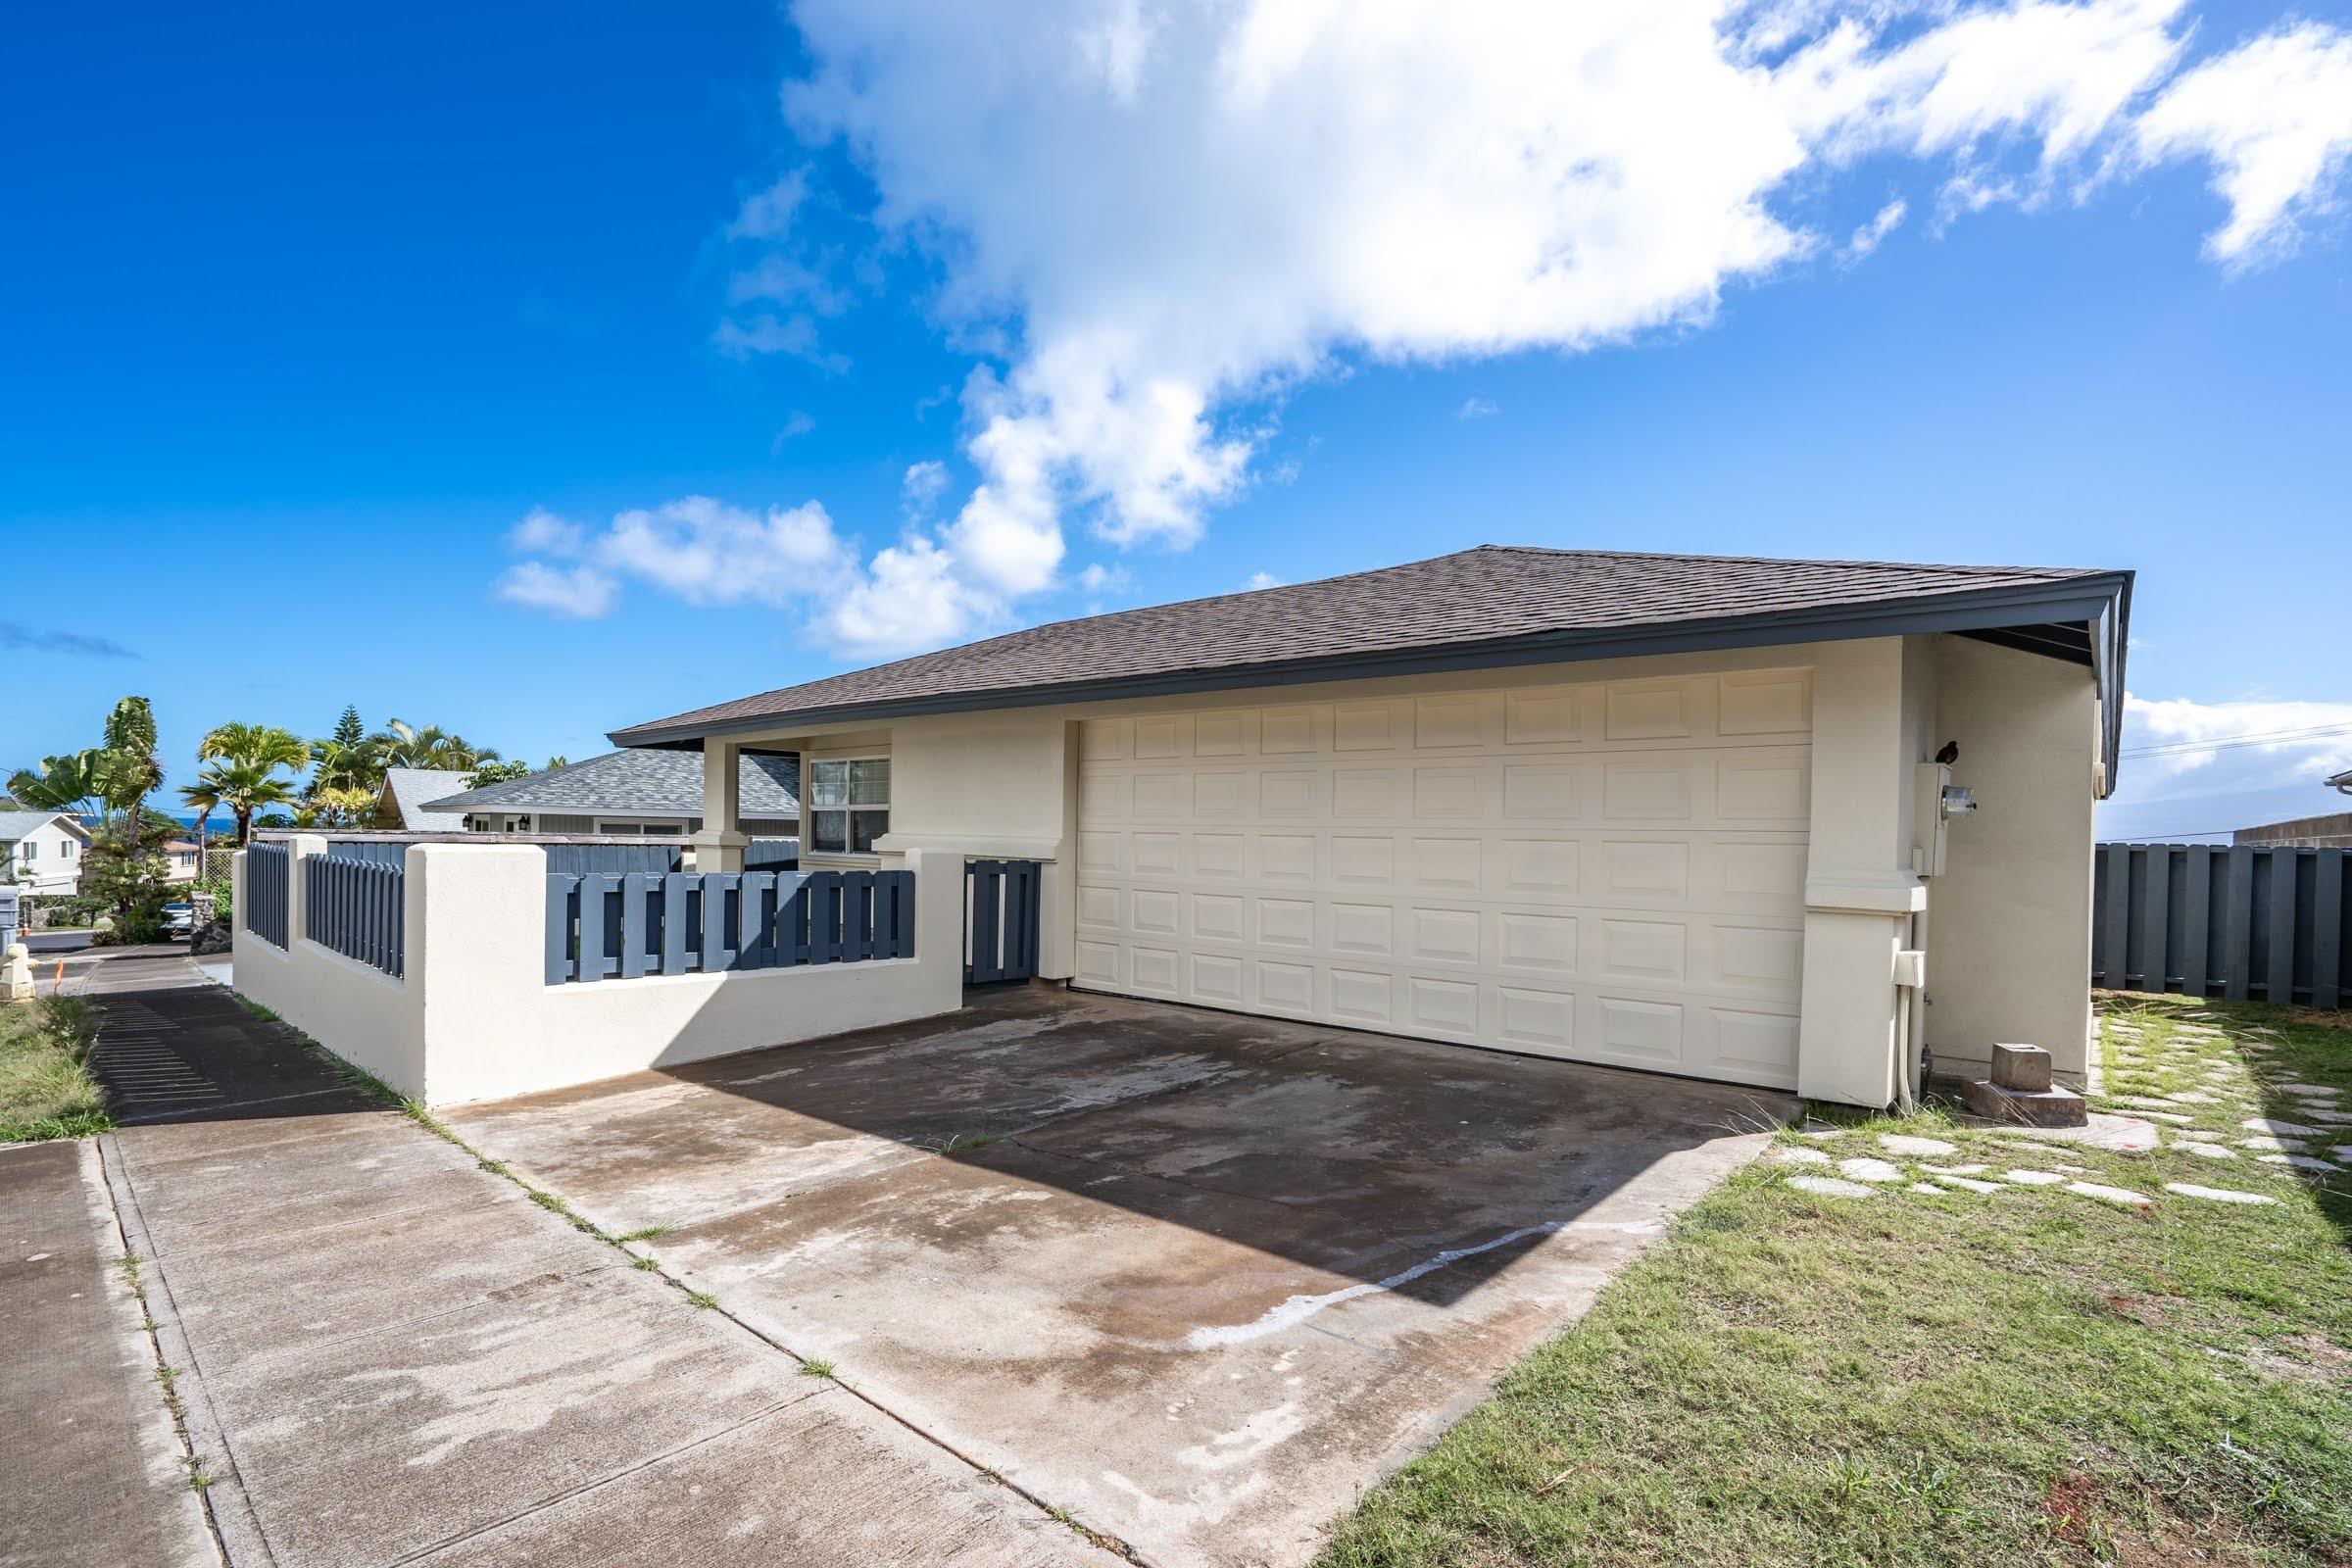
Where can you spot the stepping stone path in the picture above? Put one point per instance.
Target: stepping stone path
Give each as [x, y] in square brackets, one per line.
[2035, 1178]
[2275, 1145]
[2209, 1151]
[1831, 1187]
[1866, 1169]
[2290, 1129]
[1922, 1147]
[2304, 1091]
[1969, 1184]
[2299, 1162]
[2342, 1150]
[2217, 1195]
[2113, 1194]
[1799, 1156]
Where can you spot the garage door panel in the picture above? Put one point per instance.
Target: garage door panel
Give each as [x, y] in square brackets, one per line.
[1603, 871]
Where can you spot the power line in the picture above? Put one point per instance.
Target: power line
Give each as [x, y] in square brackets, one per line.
[2227, 743]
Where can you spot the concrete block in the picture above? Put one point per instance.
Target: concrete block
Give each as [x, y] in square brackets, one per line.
[2034, 1108]
[2023, 1067]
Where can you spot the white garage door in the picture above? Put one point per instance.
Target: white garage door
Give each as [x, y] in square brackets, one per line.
[1607, 872]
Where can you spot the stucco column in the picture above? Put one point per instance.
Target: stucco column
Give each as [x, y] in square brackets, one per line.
[1860, 891]
[300, 848]
[719, 845]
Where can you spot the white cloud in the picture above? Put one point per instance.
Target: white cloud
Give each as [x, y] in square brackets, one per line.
[1151, 223]
[581, 592]
[770, 333]
[1477, 409]
[542, 533]
[909, 598]
[2176, 736]
[1871, 235]
[1261, 579]
[2275, 120]
[702, 551]
[2191, 768]
[767, 214]
[920, 488]
[1167, 217]
[791, 429]
[1099, 578]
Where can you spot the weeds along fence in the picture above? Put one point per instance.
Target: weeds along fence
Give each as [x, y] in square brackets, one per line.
[2250, 922]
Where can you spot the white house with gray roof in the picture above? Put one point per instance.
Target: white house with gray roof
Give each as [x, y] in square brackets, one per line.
[42, 850]
[655, 793]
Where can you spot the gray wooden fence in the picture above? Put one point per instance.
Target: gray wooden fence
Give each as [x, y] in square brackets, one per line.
[357, 908]
[605, 925]
[2263, 923]
[268, 881]
[999, 920]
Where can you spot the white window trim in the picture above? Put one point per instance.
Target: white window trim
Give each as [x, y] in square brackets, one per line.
[810, 809]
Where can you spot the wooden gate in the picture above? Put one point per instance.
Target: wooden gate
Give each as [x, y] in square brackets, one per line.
[999, 920]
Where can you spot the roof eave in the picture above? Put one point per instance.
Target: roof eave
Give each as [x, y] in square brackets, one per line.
[2100, 598]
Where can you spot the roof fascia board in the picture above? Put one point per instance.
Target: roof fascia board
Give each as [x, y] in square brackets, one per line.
[2085, 599]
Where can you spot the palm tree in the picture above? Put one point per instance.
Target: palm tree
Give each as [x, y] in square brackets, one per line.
[132, 768]
[405, 745]
[254, 745]
[74, 783]
[244, 761]
[243, 788]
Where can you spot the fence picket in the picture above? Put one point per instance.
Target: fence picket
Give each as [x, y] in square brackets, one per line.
[2328, 896]
[2242, 922]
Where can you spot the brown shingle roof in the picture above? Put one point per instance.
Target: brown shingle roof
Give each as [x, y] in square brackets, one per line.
[1494, 599]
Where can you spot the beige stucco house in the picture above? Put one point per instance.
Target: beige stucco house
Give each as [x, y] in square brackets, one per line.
[1672, 812]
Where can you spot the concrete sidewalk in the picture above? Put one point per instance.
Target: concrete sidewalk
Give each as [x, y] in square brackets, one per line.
[392, 1356]
[93, 1466]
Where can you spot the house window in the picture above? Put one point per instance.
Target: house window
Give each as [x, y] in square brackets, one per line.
[30, 850]
[849, 804]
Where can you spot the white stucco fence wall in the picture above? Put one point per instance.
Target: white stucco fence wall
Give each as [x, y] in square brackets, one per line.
[474, 1018]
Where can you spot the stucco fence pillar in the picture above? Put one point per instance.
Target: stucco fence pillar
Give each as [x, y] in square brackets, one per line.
[472, 1017]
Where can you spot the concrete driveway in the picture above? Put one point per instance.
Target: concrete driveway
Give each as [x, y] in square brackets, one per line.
[1198, 1279]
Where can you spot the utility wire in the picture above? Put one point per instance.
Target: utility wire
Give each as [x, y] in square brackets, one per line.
[2282, 737]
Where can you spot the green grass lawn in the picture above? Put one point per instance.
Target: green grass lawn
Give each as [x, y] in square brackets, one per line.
[2022, 1376]
[46, 1089]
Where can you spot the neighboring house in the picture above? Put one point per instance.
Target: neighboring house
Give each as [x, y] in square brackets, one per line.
[1661, 811]
[655, 793]
[182, 861]
[406, 794]
[42, 850]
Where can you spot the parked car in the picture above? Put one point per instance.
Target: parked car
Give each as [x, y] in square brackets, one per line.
[179, 919]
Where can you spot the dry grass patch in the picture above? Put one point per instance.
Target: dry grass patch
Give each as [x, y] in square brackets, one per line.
[47, 1088]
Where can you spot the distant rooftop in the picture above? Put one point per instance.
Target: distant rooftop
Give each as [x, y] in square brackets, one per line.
[637, 783]
[412, 790]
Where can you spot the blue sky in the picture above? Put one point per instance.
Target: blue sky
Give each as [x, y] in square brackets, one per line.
[303, 313]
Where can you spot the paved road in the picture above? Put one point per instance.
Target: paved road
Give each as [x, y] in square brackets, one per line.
[390, 1355]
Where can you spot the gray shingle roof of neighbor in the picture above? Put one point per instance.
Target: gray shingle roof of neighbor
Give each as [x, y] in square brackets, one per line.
[642, 782]
[413, 789]
[15, 825]
[1494, 604]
